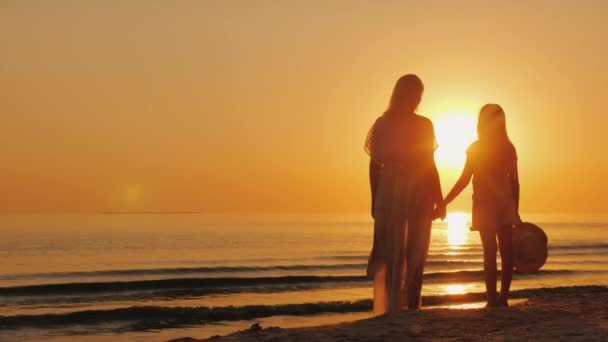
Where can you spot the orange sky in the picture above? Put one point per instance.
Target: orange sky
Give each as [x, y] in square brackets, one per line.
[263, 106]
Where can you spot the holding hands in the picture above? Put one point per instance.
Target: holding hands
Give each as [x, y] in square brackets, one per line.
[440, 211]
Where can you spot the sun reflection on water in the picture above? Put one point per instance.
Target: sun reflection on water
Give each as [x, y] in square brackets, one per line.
[455, 289]
[457, 228]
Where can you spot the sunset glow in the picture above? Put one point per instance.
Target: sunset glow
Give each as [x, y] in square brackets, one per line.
[205, 113]
[179, 170]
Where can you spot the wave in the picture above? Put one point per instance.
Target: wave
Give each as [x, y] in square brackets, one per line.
[474, 249]
[580, 246]
[219, 270]
[180, 270]
[156, 317]
[460, 256]
[43, 296]
[210, 284]
[205, 286]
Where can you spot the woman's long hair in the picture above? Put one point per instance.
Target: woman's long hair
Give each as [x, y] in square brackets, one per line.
[492, 134]
[406, 95]
[385, 140]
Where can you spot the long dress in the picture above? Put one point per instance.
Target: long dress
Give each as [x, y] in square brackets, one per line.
[403, 209]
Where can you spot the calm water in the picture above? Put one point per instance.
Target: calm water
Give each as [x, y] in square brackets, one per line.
[155, 277]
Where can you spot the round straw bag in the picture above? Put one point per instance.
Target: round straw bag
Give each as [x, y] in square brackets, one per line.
[529, 247]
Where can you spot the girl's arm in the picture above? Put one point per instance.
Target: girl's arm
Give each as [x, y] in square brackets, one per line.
[374, 175]
[462, 183]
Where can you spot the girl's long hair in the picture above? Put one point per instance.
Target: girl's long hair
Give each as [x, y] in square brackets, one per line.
[492, 134]
[492, 124]
[406, 96]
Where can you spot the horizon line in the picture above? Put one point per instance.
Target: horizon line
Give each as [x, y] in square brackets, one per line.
[146, 212]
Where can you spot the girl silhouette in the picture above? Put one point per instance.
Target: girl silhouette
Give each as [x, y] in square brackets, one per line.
[492, 163]
[405, 188]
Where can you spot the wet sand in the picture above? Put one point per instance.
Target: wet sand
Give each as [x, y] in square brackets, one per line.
[547, 317]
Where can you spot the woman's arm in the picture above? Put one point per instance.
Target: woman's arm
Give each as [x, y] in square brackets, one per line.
[374, 175]
[440, 211]
[434, 181]
[515, 191]
[436, 184]
[515, 185]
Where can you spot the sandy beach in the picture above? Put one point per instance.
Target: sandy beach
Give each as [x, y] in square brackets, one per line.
[563, 316]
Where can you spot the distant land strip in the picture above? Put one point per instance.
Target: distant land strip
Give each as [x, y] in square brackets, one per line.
[118, 212]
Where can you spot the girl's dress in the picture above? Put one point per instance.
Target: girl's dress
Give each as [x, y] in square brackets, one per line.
[494, 175]
[403, 209]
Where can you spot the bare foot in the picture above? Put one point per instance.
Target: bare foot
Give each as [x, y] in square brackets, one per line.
[502, 302]
[492, 301]
[492, 304]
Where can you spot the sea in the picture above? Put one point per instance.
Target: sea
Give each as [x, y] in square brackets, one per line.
[157, 277]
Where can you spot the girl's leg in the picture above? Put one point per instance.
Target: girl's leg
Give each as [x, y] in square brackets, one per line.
[505, 236]
[488, 241]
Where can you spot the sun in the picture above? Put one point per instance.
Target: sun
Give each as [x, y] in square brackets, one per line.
[455, 131]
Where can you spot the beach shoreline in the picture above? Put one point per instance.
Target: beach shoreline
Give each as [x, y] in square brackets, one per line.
[570, 314]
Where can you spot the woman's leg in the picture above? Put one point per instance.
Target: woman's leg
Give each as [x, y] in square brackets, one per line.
[488, 241]
[505, 243]
[418, 239]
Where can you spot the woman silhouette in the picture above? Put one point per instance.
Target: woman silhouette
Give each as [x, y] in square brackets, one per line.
[405, 189]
